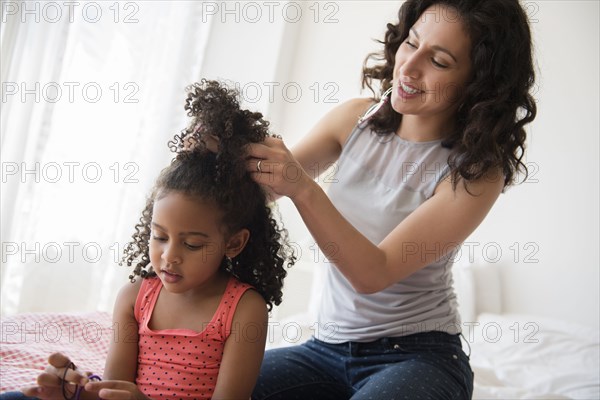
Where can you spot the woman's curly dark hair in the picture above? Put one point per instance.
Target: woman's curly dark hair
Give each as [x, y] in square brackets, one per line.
[488, 133]
[222, 178]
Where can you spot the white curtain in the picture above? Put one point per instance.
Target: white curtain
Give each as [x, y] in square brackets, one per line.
[91, 93]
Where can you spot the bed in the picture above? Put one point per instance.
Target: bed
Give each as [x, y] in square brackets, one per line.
[28, 339]
[513, 356]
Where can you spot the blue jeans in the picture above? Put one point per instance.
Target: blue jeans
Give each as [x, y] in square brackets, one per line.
[430, 365]
[15, 396]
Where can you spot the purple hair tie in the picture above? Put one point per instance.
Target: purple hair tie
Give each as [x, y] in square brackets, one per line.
[80, 388]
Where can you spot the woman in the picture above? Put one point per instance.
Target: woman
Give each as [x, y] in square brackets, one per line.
[414, 179]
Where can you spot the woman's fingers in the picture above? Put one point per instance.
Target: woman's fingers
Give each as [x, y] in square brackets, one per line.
[262, 166]
[265, 148]
[269, 156]
[212, 143]
[258, 150]
[273, 166]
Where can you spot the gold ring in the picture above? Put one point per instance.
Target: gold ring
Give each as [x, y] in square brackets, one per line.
[258, 166]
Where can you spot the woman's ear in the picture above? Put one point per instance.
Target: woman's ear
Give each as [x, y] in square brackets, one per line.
[237, 242]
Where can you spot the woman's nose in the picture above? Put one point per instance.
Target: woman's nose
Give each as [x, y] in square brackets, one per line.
[411, 67]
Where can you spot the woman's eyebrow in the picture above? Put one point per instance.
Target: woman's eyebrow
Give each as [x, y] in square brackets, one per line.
[435, 47]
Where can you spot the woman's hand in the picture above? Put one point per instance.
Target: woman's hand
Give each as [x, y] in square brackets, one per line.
[50, 382]
[272, 165]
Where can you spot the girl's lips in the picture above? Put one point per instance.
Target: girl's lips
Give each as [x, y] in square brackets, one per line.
[170, 277]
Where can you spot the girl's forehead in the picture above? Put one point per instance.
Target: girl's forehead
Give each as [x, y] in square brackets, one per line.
[184, 199]
[186, 210]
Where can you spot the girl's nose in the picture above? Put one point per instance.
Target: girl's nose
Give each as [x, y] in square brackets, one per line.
[172, 255]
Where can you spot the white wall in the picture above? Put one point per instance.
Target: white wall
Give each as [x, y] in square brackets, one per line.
[557, 211]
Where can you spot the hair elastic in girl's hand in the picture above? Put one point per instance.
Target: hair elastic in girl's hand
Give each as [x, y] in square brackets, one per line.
[65, 392]
[78, 389]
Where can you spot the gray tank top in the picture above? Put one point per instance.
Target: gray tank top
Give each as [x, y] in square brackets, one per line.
[379, 181]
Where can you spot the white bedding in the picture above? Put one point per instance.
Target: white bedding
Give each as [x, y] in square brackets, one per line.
[513, 356]
[528, 357]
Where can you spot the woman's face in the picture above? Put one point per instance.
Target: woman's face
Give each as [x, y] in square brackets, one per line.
[432, 65]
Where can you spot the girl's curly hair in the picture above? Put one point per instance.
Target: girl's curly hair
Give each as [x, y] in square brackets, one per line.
[488, 132]
[221, 178]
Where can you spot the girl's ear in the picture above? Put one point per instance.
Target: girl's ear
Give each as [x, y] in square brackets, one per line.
[237, 242]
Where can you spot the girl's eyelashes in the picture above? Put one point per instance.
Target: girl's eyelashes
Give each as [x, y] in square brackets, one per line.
[409, 44]
[194, 247]
[188, 245]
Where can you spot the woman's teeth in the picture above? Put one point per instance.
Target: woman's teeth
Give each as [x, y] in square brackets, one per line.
[408, 89]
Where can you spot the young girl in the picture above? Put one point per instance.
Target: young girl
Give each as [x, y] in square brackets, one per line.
[211, 258]
[414, 178]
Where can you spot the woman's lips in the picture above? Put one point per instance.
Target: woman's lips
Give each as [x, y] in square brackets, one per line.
[406, 91]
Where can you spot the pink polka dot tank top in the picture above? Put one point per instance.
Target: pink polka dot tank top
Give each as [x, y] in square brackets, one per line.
[182, 363]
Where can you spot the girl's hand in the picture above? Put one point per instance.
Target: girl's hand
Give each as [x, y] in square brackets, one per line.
[50, 382]
[116, 390]
[272, 165]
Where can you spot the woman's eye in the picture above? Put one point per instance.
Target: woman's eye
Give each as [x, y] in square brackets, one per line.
[158, 238]
[439, 65]
[410, 44]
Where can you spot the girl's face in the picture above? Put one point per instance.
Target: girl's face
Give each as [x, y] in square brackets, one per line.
[432, 65]
[188, 243]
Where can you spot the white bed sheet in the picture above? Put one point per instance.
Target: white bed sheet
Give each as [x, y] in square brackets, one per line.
[518, 356]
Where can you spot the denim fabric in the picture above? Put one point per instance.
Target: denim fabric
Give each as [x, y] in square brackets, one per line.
[15, 396]
[430, 365]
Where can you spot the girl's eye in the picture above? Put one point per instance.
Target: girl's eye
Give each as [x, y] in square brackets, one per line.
[410, 44]
[159, 239]
[193, 246]
[437, 64]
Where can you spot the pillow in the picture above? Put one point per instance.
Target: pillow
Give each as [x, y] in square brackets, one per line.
[464, 287]
[487, 288]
